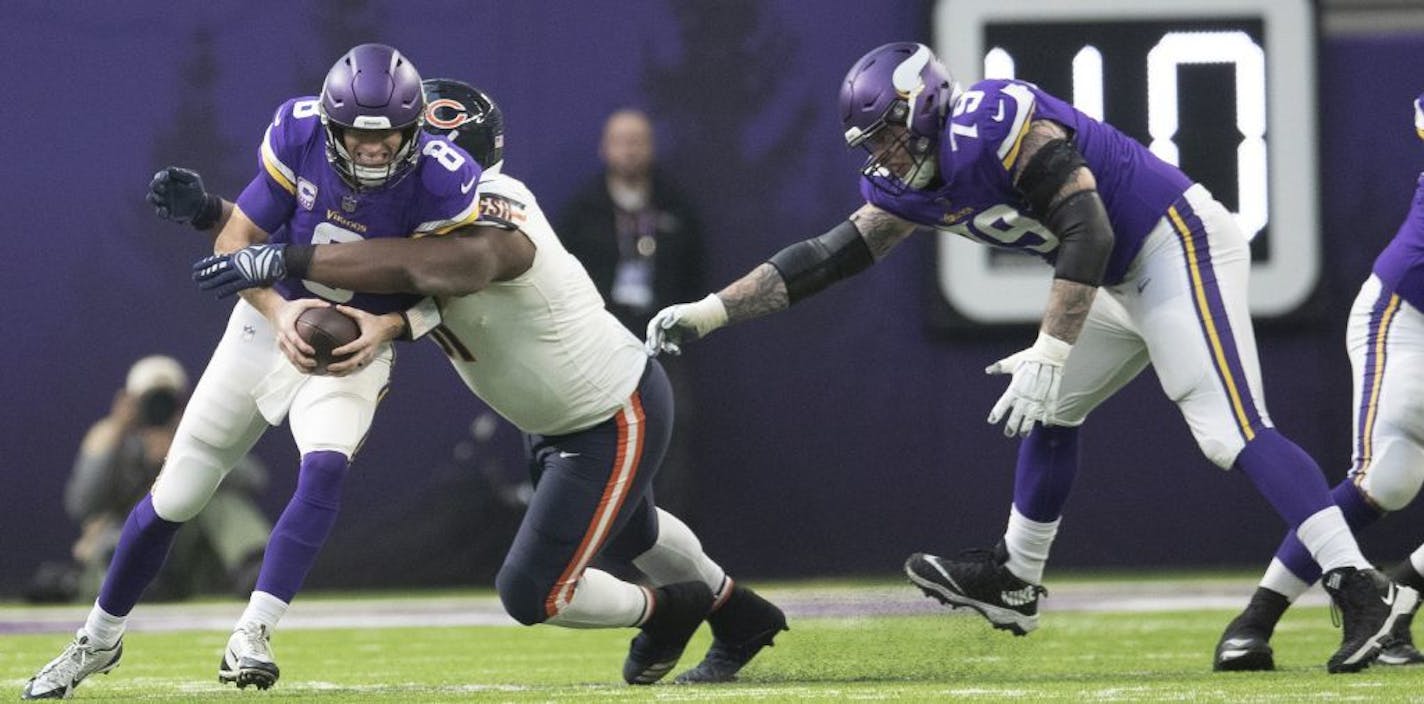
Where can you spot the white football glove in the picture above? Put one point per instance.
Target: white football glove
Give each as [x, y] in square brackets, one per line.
[1032, 396]
[684, 322]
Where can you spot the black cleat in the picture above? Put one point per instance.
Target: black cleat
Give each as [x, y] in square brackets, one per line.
[1245, 645]
[979, 580]
[1369, 605]
[1398, 647]
[744, 625]
[678, 609]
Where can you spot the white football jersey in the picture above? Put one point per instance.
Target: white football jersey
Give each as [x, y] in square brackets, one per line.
[540, 349]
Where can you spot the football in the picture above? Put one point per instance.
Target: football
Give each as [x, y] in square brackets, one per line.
[325, 329]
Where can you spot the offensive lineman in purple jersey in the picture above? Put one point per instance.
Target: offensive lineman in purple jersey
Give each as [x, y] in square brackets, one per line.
[525, 328]
[1007, 165]
[352, 164]
[1385, 339]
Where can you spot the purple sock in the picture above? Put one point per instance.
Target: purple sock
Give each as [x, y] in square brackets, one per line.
[304, 525]
[143, 547]
[1288, 478]
[1048, 463]
[1358, 514]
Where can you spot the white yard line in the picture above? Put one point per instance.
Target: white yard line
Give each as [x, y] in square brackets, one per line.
[798, 601]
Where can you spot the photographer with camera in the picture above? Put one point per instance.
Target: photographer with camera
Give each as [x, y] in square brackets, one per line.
[118, 460]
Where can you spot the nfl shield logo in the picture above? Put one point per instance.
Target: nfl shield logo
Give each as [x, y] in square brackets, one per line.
[306, 193]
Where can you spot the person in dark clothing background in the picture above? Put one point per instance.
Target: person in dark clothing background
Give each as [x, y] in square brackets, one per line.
[633, 230]
[641, 241]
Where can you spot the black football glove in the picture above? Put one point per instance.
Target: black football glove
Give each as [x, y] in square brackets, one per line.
[254, 265]
[177, 194]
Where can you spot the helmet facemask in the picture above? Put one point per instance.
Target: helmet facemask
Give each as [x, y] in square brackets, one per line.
[363, 177]
[887, 138]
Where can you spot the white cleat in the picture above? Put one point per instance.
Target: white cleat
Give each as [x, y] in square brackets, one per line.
[80, 659]
[248, 658]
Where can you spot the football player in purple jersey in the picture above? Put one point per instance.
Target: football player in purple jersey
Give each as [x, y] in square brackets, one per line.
[1385, 339]
[525, 328]
[1007, 165]
[350, 164]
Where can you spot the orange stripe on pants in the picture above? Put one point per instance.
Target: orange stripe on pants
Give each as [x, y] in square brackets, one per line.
[615, 492]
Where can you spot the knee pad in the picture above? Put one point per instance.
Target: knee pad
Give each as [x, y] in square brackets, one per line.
[522, 595]
[186, 483]
[1395, 471]
[1391, 488]
[1221, 454]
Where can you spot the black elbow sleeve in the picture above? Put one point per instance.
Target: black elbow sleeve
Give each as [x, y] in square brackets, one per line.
[1085, 238]
[1046, 173]
[811, 265]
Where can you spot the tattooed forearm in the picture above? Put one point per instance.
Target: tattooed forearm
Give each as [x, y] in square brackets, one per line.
[881, 230]
[1068, 306]
[759, 293]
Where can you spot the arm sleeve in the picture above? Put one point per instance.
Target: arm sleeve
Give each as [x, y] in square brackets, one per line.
[1085, 238]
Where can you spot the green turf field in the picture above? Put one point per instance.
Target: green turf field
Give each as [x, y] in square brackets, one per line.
[1077, 656]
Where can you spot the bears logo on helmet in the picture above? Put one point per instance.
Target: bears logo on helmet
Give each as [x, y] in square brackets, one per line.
[467, 116]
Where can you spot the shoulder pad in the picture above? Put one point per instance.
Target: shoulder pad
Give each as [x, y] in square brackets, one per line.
[990, 120]
[294, 125]
[445, 170]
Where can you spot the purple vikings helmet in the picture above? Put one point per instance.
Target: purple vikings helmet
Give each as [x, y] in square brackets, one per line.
[468, 116]
[372, 87]
[897, 84]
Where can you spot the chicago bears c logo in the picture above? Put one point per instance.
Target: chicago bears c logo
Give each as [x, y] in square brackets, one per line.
[447, 114]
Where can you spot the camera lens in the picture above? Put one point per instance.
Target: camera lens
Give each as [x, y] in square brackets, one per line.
[157, 407]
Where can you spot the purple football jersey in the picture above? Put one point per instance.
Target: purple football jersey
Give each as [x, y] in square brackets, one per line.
[298, 197]
[979, 150]
[1400, 267]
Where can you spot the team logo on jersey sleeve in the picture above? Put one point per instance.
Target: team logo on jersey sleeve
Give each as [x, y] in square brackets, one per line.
[956, 216]
[306, 193]
[501, 211]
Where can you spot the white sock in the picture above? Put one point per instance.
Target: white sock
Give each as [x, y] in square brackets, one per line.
[104, 629]
[603, 601]
[1028, 542]
[1329, 540]
[265, 609]
[1282, 581]
[677, 557]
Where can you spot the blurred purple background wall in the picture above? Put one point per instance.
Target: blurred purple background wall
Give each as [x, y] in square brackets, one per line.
[833, 439]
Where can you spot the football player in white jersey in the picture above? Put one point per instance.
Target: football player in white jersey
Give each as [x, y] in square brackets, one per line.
[524, 326]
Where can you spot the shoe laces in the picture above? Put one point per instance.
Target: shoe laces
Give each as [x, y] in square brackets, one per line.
[254, 638]
[70, 661]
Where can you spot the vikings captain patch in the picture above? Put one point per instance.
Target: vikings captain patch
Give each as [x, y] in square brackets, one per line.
[306, 194]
